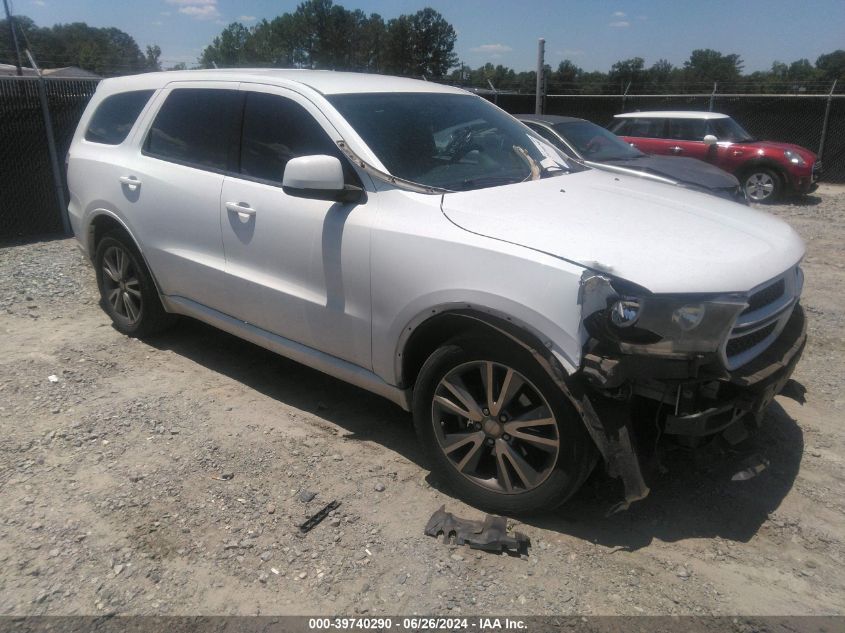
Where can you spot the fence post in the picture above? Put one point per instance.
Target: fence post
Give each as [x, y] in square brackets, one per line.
[51, 145]
[713, 95]
[825, 120]
[625, 95]
[541, 53]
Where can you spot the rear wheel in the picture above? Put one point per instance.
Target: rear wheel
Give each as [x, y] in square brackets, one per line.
[497, 428]
[762, 185]
[127, 292]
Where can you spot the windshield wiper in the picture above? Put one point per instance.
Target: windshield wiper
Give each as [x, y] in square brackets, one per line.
[402, 183]
[538, 170]
[483, 181]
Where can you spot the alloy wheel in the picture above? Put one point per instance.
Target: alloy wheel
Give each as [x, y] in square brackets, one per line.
[121, 287]
[760, 186]
[495, 427]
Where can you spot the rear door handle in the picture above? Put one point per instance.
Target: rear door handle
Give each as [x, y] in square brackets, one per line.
[244, 211]
[676, 150]
[130, 181]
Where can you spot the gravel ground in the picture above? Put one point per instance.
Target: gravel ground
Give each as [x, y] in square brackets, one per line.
[167, 477]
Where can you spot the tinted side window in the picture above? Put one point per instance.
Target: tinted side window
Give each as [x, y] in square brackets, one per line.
[276, 129]
[115, 116]
[687, 129]
[196, 126]
[641, 128]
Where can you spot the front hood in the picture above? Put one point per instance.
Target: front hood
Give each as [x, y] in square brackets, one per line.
[683, 169]
[667, 239]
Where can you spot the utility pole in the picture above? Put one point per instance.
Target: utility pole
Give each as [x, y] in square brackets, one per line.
[541, 50]
[14, 37]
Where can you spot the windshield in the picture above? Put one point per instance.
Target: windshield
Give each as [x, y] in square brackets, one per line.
[455, 142]
[729, 130]
[594, 142]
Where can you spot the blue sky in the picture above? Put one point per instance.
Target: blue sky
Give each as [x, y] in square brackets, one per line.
[592, 33]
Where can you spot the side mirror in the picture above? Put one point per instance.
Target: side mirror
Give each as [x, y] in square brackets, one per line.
[318, 177]
[710, 140]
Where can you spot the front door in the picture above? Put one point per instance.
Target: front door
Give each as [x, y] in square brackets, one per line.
[686, 138]
[294, 266]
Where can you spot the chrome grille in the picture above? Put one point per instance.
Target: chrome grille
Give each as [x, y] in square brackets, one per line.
[745, 342]
[766, 296]
[758, 325]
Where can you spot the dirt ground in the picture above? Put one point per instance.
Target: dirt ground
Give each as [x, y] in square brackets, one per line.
[168, 477]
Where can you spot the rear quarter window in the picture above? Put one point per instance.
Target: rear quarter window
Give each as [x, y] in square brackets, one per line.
[198, 127]
[115, 116]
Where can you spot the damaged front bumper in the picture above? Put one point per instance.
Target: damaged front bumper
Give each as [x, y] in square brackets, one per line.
[704, 399]
[697, 396]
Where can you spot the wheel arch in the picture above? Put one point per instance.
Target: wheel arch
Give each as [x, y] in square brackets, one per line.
[765, 162]
[428, 331]
[102, 222]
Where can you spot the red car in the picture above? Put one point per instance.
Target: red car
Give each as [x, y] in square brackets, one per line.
[765, 169]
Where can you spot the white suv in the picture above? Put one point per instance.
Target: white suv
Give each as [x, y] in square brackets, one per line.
[418, 242]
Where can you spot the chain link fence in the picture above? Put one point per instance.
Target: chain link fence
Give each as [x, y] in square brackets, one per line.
[29, 203]
[788, 118]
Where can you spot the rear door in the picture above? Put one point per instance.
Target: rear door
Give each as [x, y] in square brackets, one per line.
[178, 174]
[101, 156]
[646, 134]
[296, 267]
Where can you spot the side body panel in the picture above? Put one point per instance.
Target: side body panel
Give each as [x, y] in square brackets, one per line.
[422, 264]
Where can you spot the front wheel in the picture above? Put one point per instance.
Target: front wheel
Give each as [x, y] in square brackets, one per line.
[762, 185]
[497, 429]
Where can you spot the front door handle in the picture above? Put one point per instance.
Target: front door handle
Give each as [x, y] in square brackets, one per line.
[244, 211]
[131, 182]
[676, 150]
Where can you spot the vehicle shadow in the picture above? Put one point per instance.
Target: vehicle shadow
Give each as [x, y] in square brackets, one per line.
[796, 200]
[694, 498]
[364, 415]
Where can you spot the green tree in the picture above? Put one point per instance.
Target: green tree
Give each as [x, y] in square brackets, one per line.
[832, 65]
[660, 74]
[801, 70]
[153, 57]
[421, 44]
[566, 76]
[105, 51]
[707, 65]
[227, 49]
[628, 71]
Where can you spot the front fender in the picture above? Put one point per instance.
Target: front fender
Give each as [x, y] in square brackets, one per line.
[515, 320]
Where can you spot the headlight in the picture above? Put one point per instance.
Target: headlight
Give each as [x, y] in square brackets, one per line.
[625, 312]
[688, 317]
[794, 158]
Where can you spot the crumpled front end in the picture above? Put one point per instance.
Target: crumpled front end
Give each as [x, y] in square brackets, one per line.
[708, 365]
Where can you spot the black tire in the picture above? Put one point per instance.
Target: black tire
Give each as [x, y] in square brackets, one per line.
[762, 185]
[127, 293]
[563, 472]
